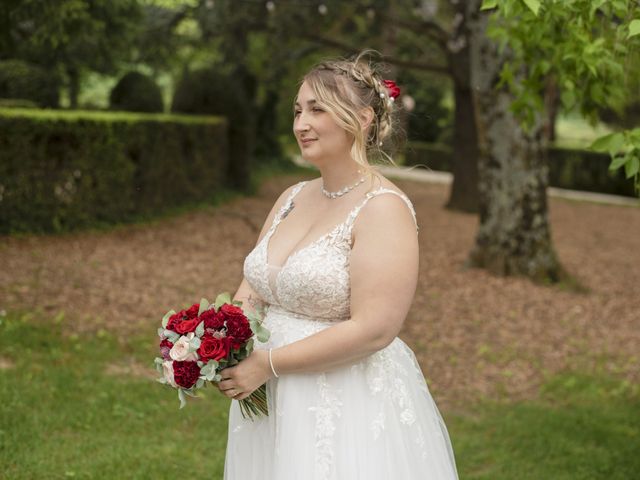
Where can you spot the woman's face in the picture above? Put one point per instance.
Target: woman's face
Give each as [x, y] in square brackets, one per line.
[319, 136]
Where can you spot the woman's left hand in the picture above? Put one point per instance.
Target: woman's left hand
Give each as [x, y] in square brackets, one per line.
[241, 380]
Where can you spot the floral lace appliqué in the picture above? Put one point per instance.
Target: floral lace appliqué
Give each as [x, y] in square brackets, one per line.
[327, 409]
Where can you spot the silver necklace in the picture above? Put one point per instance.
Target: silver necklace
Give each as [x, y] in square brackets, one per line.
[339, 193]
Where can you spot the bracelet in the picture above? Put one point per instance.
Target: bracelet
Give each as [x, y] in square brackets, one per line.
[271, 363]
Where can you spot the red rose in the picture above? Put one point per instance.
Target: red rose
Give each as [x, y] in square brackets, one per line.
[237, 324]
[193, 310]
[183, 321]
[186, 373]
[212, 319]
[165, 346]
[175, 319]
[186, 326]
[212, 348]
[394, 90]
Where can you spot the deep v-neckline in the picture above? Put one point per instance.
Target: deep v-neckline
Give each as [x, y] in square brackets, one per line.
[299, 250]
[278, 220]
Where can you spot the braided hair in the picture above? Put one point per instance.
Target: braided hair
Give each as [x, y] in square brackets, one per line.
[345, 87]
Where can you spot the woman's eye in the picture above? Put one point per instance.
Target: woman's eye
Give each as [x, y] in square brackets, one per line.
[296, 113]
[316, 109]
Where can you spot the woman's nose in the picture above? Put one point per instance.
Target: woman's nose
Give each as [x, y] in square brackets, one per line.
[300, 124]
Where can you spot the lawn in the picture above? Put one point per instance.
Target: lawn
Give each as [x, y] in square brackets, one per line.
[87, 406]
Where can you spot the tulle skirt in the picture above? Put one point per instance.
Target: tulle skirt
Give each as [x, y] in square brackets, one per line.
[371, 420]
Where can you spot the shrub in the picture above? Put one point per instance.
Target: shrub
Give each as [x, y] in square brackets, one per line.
[136, 92]
[65, 170]
[23, 81]
[213, 93]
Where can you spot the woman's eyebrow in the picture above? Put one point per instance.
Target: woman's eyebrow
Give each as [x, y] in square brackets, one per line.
[309, 102]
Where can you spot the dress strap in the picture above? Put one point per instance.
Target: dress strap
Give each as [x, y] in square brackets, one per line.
[286, 206]
[354, 213]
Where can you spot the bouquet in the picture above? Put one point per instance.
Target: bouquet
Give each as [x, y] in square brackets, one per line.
[199, 342]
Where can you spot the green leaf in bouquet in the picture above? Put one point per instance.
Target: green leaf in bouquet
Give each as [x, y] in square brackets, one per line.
[172, 336]
[209, 370]
[190, 391]
[161, 332]
[221, 299]
[194, 344]
[262, 333]
[165, 319]
[216, 378]
[200, 329]
[204, 304]
[199, 383]
[161, 380]
[249, 345]
[181, 397]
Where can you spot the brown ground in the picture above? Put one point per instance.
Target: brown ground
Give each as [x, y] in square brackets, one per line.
[474, 334]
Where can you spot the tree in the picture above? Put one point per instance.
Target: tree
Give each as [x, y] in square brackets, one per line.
[509, 73]
[587, 48]
[69, 36]
[514, 236]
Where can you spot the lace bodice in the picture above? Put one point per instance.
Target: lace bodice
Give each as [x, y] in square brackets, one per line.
[314, 280]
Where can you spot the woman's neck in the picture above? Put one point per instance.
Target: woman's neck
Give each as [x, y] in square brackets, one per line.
[340, 174]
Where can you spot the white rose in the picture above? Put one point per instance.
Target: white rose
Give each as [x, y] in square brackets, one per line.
[167, 370]
[180, 350]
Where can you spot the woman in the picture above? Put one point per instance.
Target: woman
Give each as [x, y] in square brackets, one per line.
[336, 264]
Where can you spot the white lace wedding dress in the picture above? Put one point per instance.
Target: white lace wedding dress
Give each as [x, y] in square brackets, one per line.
[371, 420]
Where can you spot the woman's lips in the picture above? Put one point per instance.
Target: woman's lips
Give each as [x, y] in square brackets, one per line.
[307, 141]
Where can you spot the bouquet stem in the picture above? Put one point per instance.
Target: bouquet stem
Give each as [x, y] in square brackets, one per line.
[255, 404]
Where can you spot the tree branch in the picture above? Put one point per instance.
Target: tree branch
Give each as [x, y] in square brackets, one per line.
[432, 29]
[426, 67]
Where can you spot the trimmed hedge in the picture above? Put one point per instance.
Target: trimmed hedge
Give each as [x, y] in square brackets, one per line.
[64, 170]
[568, 168]
[210, 92]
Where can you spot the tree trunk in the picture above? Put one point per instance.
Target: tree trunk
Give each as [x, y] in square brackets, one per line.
[74, 86]
[514, 235]
[464, 194]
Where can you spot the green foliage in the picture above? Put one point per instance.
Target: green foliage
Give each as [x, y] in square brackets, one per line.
[65, 170]
[23, 81]
[136, 92]
[210, 92]
[582, 46]
[70, 36]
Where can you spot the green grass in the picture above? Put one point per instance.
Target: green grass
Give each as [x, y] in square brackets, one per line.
[63, 416]
[582, 427]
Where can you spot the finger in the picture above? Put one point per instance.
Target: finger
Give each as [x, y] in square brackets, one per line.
[225, 384]
[231, 393]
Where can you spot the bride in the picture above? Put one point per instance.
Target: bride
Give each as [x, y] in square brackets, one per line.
[336, 266]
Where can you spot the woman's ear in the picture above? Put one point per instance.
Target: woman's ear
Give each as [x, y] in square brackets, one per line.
[366, 117]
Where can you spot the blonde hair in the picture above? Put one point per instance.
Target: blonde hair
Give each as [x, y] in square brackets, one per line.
[344, 87]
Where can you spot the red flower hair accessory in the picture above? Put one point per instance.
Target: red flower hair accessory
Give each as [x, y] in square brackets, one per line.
[393, 89]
